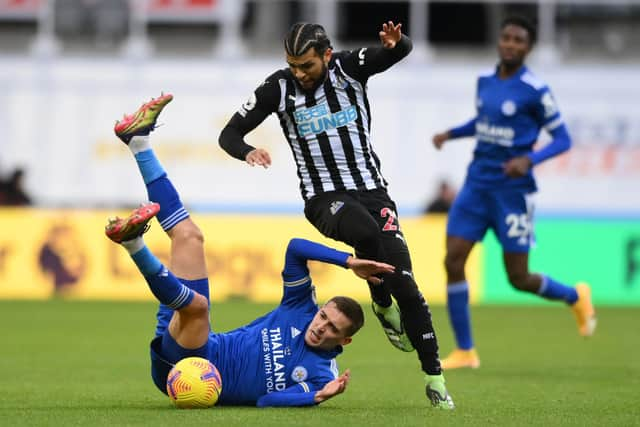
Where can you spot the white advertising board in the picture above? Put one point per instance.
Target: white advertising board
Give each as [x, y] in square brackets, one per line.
[56, 120]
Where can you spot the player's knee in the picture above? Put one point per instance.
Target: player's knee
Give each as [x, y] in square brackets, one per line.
[198, 307]
[454, 264]
[187, 232]
[518, 280]
[368, 244]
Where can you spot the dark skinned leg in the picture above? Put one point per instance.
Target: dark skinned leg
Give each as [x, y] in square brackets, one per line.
[517, 267]
[458, 250]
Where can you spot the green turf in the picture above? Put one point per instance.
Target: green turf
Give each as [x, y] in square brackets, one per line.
[86, 363]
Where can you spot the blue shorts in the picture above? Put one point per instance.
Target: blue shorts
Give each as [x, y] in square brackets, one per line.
[509, 213]
[166, 352]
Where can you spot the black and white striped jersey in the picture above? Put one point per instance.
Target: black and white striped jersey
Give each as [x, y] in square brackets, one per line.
[328, 129]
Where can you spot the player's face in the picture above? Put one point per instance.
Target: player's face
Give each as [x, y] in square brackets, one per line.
[513, 45]
[328, 328]
[309, 67]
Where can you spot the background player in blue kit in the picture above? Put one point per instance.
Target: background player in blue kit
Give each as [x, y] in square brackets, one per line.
[512, 106]
[285, 358]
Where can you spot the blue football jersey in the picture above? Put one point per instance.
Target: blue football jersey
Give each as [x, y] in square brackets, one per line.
[510, 114]
[270, 354]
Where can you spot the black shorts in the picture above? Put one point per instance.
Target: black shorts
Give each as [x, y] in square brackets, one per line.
[352, 216]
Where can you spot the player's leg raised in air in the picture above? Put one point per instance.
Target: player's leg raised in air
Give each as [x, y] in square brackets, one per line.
[185, 309]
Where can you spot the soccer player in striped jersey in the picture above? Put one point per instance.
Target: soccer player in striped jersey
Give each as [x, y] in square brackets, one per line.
[513, 105]
[284, 358]
[322, 103]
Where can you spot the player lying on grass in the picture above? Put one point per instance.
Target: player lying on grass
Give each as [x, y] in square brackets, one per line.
[284, 358]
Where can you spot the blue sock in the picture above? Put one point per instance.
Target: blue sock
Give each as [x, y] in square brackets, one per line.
[146, 262]
[459, 315]
[160, 190]
[149, 166]
[201, 286]
[553, 290]
[168, 290]
[165, 313]
[172, 211]
[163, 284]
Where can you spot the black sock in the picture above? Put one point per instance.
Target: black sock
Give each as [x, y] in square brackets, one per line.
[380, 294]
[416, 319]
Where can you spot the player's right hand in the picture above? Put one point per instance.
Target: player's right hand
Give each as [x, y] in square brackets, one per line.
[439, 139]
[368, 270]
[258, 157]
[333, 388]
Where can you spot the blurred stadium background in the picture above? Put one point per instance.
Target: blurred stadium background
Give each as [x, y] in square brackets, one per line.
[71, 67]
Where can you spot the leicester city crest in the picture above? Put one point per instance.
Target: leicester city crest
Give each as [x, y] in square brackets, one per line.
[299, 374]
[508, 108]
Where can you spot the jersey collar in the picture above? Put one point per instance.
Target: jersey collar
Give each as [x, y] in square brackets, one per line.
[328, 354]
[523, 69]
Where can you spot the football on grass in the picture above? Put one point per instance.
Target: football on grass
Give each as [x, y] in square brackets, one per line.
[194, 382]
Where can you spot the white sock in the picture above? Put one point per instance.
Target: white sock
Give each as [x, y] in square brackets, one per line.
[134, 245]
[139, 143]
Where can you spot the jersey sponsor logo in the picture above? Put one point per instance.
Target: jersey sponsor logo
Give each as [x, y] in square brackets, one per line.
[335, 206]
[318, 119]
[501, 135]
[508, 108]
[294, 332]
[549, 104]
[299, 374]
[273, 355]
[249, 105]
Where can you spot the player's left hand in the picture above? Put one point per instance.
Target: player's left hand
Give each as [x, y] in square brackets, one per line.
[517, 167]
[258, 157]
[333, 388]
[367, 269]
[390, 34]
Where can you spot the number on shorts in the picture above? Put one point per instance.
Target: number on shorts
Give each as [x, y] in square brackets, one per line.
[519, 225]
[391, 217]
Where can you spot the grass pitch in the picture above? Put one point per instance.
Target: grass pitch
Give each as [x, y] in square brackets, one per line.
[86, 363]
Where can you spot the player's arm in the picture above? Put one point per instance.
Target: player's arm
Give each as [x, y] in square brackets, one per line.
[464, 130]
[302, 394]
[260, 104]
[548, 115]
[299, 251]
[363, 63]
[560, 142]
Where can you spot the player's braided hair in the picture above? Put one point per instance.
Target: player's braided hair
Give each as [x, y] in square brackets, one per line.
[303, 36]
[352, 310]
[522, 22]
